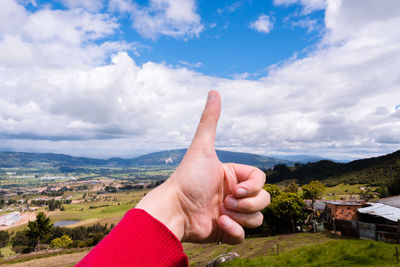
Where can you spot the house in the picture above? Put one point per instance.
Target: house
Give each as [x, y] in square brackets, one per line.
[342, 210]
[386, 211]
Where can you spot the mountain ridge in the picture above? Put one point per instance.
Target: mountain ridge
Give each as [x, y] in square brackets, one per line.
[161, 158]
[374, 171]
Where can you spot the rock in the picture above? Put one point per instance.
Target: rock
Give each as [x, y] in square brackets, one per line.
[222, 258]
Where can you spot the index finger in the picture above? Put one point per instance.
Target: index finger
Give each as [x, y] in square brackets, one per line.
[250, 180]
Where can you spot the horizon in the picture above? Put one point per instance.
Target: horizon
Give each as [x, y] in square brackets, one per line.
[283, 157]
[116, 78]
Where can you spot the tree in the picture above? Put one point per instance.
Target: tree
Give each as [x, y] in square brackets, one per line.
[54, 204]
[292, 188]
[21, 243]
[40, 230]
[285, 213]
[367, 194]
[313, 191]
[61, 242]
[4, 238]
[272, 189]
[383, 191]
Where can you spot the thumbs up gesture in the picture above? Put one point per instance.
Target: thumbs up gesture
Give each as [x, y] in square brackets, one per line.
[205, 200]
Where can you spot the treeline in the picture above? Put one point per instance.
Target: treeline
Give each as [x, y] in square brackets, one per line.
[51, 203]
[373, 171]
[287, 212]
[132, 186]
[41, 234]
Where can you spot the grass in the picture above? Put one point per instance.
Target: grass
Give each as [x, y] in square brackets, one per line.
[104, 211]
[54, 255]
[340, 252]
[200, 255]
[304, 249]
[7, 251]
[340, 191]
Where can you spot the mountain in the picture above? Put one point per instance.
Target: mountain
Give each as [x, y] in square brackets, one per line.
[22, 159]
[174, 157]
[302, 158]
[162, 158]
[374, 171]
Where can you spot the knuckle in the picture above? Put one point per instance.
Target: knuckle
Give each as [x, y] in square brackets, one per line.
[264, 179]
[250, 206]
[260, 219]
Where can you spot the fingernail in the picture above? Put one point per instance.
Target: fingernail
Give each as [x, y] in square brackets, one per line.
[211, 95]
[226, 222]
[241, 192]
[231, 203]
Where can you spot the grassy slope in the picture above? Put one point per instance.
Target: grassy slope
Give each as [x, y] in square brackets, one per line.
[333, 253]
[373, 171]
[200, 255]
[303, 249]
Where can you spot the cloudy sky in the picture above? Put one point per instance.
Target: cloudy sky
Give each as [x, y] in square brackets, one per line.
[123, 77]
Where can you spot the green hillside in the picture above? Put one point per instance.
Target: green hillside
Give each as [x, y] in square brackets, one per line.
[162, 158]
[374, 171]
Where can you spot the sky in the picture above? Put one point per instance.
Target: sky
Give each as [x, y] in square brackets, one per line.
[121, 78]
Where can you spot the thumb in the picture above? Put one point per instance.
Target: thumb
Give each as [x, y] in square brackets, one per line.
[205, 134]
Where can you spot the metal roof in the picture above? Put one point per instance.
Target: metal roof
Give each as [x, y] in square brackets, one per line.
[382, 210]
[345, 202]
[392, 201]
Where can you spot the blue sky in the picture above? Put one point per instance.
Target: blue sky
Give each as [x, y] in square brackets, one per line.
[122, 77]
[227, 45]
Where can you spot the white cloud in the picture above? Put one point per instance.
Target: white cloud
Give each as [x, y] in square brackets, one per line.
[232, 7]
[58, 92]
[307, 23]
[121, 6]
[90, 5]
[262, 24]
[174, 18]
[309, 6]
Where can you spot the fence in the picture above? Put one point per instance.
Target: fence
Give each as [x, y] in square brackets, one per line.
[362, 230]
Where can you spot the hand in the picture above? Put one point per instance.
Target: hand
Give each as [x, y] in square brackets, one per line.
[205, 200]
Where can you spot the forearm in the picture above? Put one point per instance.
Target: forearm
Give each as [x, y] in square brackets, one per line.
[162, 203]
[138, 240]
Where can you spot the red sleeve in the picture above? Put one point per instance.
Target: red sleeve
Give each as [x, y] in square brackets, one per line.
[137, 240]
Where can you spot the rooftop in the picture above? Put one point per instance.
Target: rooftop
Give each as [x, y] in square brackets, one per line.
[392, 201]
[346, 202]
[382, 210]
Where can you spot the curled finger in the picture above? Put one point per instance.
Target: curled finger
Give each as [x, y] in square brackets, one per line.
[248, 204]
[248, 220]
[233, 233]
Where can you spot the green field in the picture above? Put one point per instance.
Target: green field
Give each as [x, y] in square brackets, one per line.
[110, 208]
[304, 249]
[333, 253]
[340, 191]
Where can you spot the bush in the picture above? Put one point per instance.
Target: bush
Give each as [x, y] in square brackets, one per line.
[62, 242]
[21, 243]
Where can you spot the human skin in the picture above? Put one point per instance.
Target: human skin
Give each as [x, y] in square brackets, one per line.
[205, 200]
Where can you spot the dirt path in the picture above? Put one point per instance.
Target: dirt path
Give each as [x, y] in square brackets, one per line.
[55, 261]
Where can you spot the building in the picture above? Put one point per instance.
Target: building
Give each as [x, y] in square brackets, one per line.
[342, 210]
[386, 211]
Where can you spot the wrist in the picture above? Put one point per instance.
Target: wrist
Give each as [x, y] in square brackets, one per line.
[162, 203]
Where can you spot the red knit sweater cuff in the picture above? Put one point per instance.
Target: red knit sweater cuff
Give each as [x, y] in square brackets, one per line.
[138, 240]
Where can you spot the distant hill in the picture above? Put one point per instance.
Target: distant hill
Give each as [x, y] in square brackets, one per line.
[302, 158]
[374, 171]
[174, 157]
[162, 158]
[22, 159]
